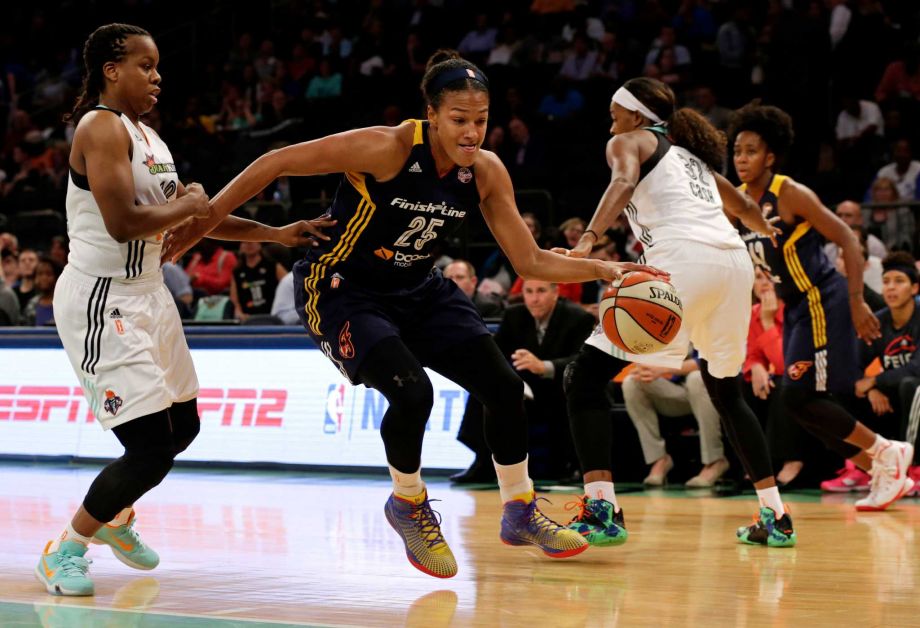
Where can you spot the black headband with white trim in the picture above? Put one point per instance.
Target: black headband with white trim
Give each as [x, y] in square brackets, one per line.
[446, 77]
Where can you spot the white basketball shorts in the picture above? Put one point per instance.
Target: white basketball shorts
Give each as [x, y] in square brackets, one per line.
[125, 343]
[715, 287]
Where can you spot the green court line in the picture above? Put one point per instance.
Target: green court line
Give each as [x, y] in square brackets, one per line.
[54, 615]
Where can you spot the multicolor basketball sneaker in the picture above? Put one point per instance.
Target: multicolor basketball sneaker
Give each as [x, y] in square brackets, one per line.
[127, 546]
[524, 524]
[598, 522]
[420, 529]
[768, 530]
[66, 571]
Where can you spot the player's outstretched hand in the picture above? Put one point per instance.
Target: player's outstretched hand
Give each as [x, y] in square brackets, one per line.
[182, 237]
[772, 231]
[305, 232]
[615, 270]
[865, 322]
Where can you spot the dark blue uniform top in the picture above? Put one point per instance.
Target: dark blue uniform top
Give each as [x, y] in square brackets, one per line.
[386, 231]
[798, 265]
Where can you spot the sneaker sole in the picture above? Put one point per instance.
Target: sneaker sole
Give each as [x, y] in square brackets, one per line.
[55, 589]
[908, 487]
[563, 554]
[412, 560]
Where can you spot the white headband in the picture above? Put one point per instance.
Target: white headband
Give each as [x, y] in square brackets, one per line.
[625, 99]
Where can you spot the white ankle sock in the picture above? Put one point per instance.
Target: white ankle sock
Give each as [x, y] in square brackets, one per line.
[770, 498]
[881, 443]
[602, 490]
[123, 517]
[513, 480]
[407, 484]
[69, 534]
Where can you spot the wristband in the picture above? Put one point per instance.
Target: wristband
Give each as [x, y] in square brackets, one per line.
[592, 232]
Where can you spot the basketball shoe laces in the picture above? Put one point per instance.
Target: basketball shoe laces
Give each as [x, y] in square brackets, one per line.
[71, 565]
[429, 523]
[582, 504]
[540, 522]
[878, 473]
[133, 534]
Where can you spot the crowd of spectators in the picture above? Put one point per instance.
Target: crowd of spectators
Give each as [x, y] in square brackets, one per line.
[242, 79]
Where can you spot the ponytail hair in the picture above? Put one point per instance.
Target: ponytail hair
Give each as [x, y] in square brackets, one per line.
[105, 44]
[447, 71]
[686, 128]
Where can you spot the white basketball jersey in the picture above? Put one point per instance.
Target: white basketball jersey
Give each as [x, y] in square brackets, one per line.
[92, 250]
[677, 199]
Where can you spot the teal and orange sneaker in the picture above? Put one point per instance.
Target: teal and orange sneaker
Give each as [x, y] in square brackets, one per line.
[524, 524]
[598, 522]
[419, 527]
[66, 571]
[768, 530]
[127, 546]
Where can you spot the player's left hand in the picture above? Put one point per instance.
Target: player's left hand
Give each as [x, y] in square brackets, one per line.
[304, 232]
[524, 360]
[179, 239]
[865, 322]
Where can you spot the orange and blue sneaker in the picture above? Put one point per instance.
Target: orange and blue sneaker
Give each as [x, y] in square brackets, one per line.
[598, 522]
[66, 571]
[524, 524]
[768, 530]
[127, 546]
[419, 527]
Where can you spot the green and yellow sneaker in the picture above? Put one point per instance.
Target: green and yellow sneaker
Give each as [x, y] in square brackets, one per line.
[768, 530]
[598, 522]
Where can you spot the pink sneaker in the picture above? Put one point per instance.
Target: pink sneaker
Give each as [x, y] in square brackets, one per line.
[914, 474]
[849, 478]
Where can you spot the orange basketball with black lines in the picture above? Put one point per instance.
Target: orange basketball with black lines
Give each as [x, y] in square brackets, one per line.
[641, 313]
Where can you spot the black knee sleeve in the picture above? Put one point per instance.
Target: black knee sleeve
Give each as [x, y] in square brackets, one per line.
[185, 424]
[392, 369]
[741, 425]
[125, 480]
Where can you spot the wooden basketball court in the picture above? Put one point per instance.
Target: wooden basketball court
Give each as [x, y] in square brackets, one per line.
[252, 549]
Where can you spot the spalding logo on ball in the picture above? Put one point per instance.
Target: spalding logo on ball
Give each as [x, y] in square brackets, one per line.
[641, 313]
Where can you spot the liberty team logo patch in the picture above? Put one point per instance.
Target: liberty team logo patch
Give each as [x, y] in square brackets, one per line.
[112, 402]
[464, 175]
[798, 369]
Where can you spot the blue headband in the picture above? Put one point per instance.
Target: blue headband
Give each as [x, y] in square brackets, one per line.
[445, 78]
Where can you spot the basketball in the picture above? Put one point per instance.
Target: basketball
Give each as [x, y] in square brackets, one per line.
[641, 313]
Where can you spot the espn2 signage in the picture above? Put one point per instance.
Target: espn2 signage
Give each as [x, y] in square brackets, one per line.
[288, 406]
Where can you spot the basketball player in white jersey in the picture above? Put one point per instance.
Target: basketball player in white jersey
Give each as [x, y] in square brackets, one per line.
[116, 319]
[665, 166]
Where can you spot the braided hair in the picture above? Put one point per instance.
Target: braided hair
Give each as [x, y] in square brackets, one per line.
[105, 44]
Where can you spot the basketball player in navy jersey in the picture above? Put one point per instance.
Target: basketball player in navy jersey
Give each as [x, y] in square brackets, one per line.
[824, 311]
[116, 319]
[375, 305]
[664, 164]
